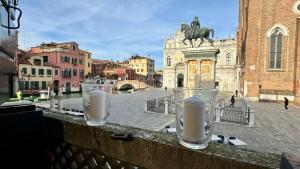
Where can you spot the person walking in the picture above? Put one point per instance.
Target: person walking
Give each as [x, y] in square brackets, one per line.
[232, 100]
[236, 93]
[286, 103]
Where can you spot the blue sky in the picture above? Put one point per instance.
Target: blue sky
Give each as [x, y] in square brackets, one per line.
[115, 29]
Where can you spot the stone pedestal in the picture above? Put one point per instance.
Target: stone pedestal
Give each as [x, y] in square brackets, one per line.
[200, 67]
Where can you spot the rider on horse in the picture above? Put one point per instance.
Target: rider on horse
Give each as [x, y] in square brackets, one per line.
[195, 25]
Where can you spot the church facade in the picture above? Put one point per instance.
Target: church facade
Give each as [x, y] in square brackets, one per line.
[268, 43]
[227, 71]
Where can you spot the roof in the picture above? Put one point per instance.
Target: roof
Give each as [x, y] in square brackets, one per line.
[95, 61]
[139, 57]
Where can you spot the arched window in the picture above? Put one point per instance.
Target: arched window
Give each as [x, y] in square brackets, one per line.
[276, 48]
[228, 59]
[169, 61]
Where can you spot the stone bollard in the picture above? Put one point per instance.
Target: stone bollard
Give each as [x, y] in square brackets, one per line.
[218, 113]
[146, 106]
[166, 108]
[156, 102]
[251, 118]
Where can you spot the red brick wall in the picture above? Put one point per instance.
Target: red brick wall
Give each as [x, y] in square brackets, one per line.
[262, 16]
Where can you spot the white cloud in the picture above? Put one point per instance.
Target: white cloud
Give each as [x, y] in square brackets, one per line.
[107, 28]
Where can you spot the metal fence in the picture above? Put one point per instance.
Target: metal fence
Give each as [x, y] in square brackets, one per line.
[160, 105]
[233, 116]
[239, 114]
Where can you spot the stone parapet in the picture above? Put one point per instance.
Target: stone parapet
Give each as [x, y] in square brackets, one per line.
[91, 146]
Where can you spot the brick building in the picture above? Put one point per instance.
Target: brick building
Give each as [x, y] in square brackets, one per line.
[69, 62]
[100, 67]
[112, 70]
[268, 40]
[125, 73]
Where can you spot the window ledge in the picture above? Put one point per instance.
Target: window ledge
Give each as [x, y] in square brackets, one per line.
[276, 70]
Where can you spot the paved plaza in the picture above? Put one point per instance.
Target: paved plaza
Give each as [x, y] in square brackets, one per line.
[275, 130]
[128, 109]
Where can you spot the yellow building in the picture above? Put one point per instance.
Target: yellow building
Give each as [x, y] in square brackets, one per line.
[142, 65]
[34, 73]
[87, 62]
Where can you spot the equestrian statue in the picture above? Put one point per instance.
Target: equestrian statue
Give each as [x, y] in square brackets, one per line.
[195, 32]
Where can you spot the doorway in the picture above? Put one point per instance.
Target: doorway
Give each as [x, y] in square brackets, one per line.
[180, 78]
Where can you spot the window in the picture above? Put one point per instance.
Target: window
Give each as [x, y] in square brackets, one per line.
[24, 71]
[137, 70]
[74, 47]
[63, 73]
[80, 61]
[44, 85]
[228, 59]
[169, 61]
[89, 65]
[45, 59]
[34, 85]
[41, 72]
[37, 61]
[26, 86]
[56, 72]
[69, 73]
[81, 73]
[276, 47]
[74, 72]
[142, 70]
[49, 72]
[33, 71]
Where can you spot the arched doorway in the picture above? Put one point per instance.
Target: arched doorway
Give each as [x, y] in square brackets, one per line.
[180, 78]
[56, 86]
[68, 87]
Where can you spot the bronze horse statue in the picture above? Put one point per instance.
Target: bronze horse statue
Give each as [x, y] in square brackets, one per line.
[199, 33]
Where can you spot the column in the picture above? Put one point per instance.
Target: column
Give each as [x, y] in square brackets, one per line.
[198, 75]
[185, 79]
[213, 64]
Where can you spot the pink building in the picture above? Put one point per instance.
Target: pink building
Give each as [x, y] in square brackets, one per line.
[68, 61]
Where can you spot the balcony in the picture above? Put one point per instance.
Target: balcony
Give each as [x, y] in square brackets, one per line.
[67, 142]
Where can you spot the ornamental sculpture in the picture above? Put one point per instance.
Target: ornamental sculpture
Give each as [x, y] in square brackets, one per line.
[195, 32]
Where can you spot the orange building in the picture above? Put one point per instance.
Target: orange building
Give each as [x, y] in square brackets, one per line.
[268, 40]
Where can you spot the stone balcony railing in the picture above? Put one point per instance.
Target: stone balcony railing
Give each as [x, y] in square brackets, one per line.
[73, 144]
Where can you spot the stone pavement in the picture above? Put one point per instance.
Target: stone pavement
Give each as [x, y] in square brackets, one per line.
[128, 109]
[275, 130]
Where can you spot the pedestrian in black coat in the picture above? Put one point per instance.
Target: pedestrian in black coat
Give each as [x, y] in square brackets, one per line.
[286, 103]
[232, 100]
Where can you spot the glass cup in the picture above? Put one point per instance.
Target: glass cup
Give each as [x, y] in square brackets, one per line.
[194, 116]
[96, 104]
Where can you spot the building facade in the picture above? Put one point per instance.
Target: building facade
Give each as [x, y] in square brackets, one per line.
[68, 61]
[142, 65]
[87, 62]
[269, 49]
[98, 66]
[227, 71]
[8, 51]
[125, 73]
[34, 75]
